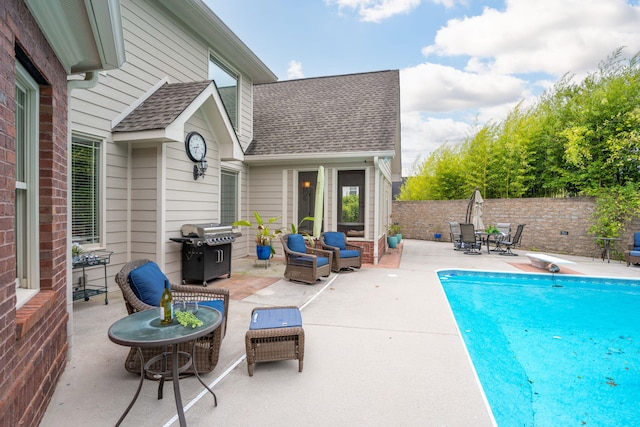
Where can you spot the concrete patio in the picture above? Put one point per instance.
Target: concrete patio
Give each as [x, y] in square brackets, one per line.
[382, 348]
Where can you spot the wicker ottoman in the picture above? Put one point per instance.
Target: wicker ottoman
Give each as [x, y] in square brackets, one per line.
[275, 333]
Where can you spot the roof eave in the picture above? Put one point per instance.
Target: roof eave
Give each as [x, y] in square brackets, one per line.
[86, 35]
[200, 18]
[337, 157]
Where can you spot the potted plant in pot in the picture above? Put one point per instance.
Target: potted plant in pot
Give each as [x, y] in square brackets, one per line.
[395, 229]
[264, 235]
[437, 232]
[392, 239]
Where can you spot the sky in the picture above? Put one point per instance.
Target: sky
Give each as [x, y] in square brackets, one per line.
[462, 63]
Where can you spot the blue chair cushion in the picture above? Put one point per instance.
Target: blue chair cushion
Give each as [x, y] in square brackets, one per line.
[218, 304]
[276, 318]
[295, 243]
[305, 260]
[349, 253]
[636, 241]
[335, 238]
[634, 253]
[147, 283]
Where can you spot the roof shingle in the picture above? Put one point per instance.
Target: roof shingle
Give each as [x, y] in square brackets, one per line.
[348, 113]
[162, 107]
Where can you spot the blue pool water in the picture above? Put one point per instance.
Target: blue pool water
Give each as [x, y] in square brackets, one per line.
[551, 350]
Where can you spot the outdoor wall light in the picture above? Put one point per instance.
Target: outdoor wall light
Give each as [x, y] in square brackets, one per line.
[199, 169]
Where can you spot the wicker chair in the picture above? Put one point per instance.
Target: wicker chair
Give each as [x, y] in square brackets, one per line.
[303, 266]
[632, 254]
[352, 253]
[207, 348]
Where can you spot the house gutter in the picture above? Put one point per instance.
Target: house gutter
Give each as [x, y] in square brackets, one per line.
[255, 159]
[90, 80]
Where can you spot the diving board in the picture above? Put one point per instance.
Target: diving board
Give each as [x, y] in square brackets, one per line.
[546, 261]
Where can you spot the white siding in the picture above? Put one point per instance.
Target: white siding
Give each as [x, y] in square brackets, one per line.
[146, 204]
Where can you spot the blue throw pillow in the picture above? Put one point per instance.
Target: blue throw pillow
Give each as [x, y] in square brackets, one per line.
[218, 304]
[335, 238]
[147, 283]
[636, 240]
[295, 243]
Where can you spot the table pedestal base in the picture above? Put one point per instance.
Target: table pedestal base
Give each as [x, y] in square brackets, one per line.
[165, 373]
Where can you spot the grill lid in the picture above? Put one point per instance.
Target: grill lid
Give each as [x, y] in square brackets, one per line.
[205, 230]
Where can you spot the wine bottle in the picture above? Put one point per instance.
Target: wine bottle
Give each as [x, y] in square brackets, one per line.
[166, 305]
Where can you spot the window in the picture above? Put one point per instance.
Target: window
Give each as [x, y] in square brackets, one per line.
[27, 176]
[351, 201]
[228, 197]
[85, 190]
[307, 182]
[227, 84]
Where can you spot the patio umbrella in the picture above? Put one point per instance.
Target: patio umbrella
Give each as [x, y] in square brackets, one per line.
[317, 223]
[476, 218]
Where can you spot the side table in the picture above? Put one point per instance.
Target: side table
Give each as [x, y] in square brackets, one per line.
[275, 333]
[143, 329]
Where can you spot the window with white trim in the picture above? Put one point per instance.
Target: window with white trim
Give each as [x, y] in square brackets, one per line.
[228, 197]
[227, 84]
[27, 190]
[351, 200]
[85, 190]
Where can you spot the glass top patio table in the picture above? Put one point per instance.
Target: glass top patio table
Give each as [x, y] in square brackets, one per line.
[143, 329]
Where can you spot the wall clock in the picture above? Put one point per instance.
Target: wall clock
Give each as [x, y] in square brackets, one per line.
[195, 146]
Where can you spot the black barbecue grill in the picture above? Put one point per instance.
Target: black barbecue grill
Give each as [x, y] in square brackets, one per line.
[206, 251]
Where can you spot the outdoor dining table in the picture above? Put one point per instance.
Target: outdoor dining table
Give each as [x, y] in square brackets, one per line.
[143, 329]
[487, 239]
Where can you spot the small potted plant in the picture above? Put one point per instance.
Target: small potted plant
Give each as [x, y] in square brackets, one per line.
[392, 239]
[395, 229]
[76, 252]
[264, 235]
[437, 232]
[492, 229]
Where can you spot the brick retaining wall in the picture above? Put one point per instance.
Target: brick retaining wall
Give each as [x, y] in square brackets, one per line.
[547, 219]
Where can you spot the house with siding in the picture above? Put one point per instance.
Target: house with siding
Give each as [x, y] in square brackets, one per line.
[187, 72]
[348, 124]
[121, 157]
[48, 51]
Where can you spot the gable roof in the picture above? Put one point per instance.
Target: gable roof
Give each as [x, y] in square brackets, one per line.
[161, 115]
[162, 107]
[355, 113]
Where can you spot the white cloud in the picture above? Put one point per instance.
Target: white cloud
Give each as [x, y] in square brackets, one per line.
[295, 70]
[377, 10]
[438, 88]
[422, 135]
[549, 36]
[538, 40]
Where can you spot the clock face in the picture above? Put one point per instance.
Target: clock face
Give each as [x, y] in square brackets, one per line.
[196, 147]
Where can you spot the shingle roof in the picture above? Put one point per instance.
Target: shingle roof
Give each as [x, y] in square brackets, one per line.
[162, 107]
[348, 113]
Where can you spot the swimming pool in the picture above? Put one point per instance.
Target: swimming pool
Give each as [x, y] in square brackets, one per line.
[551, 350]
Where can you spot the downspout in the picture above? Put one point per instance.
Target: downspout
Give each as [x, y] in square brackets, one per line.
[376, 207]
[90, 80]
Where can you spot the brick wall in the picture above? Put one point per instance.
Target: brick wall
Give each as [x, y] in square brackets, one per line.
[547, 219]
[33, 339]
